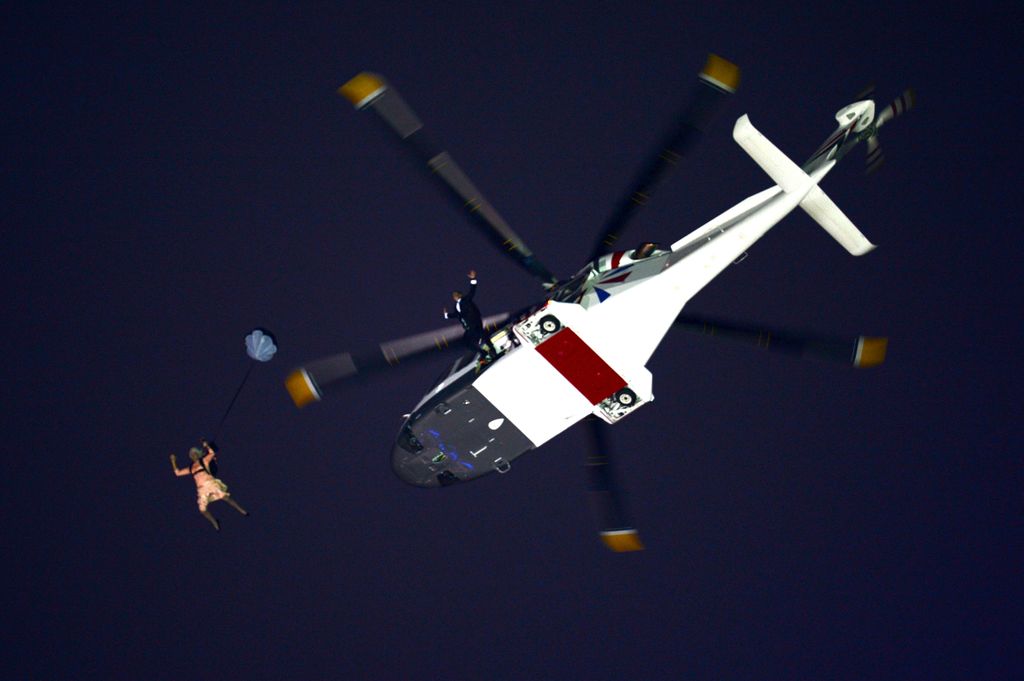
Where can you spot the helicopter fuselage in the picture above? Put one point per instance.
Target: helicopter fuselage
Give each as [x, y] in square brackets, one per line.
[581, 354]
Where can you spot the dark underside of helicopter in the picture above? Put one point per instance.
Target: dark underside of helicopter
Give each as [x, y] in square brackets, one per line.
[456, 435]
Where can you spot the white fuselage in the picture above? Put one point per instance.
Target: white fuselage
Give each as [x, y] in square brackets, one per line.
[542, 399]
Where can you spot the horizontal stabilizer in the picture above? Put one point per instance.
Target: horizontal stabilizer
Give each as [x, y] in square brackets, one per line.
[827, 214]
[791, 178]
[779, 167]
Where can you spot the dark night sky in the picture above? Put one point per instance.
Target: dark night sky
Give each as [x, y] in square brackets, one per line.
[174, 177]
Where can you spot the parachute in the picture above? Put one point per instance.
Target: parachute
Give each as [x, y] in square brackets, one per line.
[259, 346]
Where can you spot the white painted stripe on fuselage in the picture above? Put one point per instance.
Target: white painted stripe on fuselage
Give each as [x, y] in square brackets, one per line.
[531, 394]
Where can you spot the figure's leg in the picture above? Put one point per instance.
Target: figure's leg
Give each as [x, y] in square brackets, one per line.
[213, 521]
[488, 349]
[476, 341]
[483, 344]
[234, 504]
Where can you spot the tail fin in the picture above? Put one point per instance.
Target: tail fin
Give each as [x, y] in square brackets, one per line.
[791, 178]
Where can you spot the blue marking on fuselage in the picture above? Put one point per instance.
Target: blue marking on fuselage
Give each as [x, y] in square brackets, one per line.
[602, 295]
[617, 270]
[451, 453]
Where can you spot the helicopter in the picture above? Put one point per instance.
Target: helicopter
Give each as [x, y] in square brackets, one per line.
[580, 354]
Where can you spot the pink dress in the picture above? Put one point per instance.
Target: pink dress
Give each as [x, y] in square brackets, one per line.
[208, 488]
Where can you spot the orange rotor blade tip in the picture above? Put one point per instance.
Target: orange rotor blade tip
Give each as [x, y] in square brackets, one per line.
[363, 89]
[301, 388]
[871, 352]
[721, 72]
[621, 541]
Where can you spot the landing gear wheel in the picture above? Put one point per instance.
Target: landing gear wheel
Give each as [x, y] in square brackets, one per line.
[549, 324]
[625, 397]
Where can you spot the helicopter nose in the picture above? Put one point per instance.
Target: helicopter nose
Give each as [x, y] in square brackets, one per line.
[413, 461]
[459, 436]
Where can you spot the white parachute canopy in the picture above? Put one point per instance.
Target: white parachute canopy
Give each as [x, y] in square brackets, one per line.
[260, 345]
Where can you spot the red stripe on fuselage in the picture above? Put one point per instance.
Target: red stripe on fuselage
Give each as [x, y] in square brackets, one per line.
[833, 140]
[616, 258]
[581, 366]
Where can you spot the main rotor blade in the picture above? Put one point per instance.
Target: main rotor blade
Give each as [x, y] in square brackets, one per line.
[371, 90]
[309, 383]
[862, 351]
[717, 80]
[617, 533]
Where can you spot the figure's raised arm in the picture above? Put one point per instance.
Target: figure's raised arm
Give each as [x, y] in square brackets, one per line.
[210, 454]
[180, 472]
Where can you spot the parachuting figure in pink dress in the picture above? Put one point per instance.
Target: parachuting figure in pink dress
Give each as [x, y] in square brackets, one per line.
[208, 487]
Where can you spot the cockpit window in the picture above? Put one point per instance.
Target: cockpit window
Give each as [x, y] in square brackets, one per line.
[644, 250]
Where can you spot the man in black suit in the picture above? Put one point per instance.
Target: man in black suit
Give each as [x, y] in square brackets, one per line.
[469, 316]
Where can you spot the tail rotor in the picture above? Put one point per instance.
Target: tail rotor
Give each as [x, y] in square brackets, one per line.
[875, 157]
[903, 103]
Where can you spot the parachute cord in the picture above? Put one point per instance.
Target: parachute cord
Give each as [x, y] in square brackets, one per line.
[232, 404]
